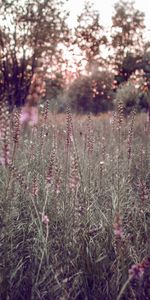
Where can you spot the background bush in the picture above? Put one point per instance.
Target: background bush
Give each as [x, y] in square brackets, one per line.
[131, 97]
[92, 93]
[128, 95]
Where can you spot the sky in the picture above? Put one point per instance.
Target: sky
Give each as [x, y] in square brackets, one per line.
[105, 7]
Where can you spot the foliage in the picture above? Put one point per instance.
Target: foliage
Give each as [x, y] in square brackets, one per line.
[143, 102]
[130, 63]
[127, 94]
[89, 36]
[54, 86]
[80, 94]
[35, 34]
[30, 31]
[127, 38]
[92, 93]
[131, 97]
[146, 67]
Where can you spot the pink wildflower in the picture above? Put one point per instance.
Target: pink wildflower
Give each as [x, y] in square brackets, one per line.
[2, 161]
[45, 219]
[35, 187]
[136, 271]
[29, 115]
[118, 231]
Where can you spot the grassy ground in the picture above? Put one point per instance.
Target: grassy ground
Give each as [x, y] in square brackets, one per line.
[75, 208]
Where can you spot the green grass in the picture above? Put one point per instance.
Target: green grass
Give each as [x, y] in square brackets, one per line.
[94, 186]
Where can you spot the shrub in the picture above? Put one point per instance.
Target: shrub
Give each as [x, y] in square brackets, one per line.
[143, 102]
[80, 94]
[127, 93]
[91, 93]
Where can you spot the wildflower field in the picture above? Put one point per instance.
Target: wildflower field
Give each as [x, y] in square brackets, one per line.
[75, 207]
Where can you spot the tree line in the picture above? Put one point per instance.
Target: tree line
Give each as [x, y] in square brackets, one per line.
[34, 36]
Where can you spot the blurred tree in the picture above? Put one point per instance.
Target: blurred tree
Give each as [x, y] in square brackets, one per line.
[89, 36]
[130, 63]
[127, 38]
[30, 31]
[102, 83]
[146, 68]
[54, 86]
[80, 94]
[92, 93]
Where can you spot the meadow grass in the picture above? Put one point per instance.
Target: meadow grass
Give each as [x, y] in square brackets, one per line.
[75, 208]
